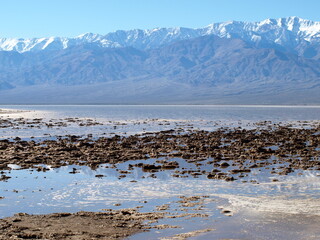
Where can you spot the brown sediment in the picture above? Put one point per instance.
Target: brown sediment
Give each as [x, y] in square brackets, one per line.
[82, 225]
[20, 122]
[109, 224]
[232, 153]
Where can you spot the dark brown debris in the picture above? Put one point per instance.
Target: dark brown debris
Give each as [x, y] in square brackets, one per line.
[229, 151]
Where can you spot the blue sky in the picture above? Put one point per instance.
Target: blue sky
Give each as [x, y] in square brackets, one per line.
[69, 18]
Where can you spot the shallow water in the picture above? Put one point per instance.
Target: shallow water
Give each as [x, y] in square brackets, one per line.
[173, 112]
[126, 120]
[262, 209]
[57, 190]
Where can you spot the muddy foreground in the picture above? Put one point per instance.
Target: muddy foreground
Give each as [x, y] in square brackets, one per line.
[81, 225]
[109, 224]
[229, 154]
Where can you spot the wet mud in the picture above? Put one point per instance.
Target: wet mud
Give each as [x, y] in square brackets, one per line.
[108, 224]
[111, 224]
[231, 153]
[228, 154]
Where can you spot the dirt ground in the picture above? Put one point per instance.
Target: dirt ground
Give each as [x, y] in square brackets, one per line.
[112, 224]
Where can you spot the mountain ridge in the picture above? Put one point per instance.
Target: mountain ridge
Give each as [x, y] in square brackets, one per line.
[282, 31]
[279, 64]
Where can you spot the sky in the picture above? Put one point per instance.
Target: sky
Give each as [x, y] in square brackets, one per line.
[70, 18]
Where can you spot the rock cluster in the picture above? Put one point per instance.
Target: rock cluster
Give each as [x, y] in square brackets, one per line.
[232, 153]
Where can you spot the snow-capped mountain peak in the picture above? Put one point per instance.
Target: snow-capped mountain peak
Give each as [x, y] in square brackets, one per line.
[287, 32]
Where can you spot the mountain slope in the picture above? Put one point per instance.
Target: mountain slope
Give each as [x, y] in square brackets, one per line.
[204, 60]
[206, 69]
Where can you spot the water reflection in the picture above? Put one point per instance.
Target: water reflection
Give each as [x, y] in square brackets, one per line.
[39, 192]
[262, 209]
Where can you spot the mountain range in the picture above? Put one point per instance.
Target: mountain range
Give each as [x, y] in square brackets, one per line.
[275, 61]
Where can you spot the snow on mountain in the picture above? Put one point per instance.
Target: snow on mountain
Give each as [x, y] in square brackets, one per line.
[275, 61]
[287, 32]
